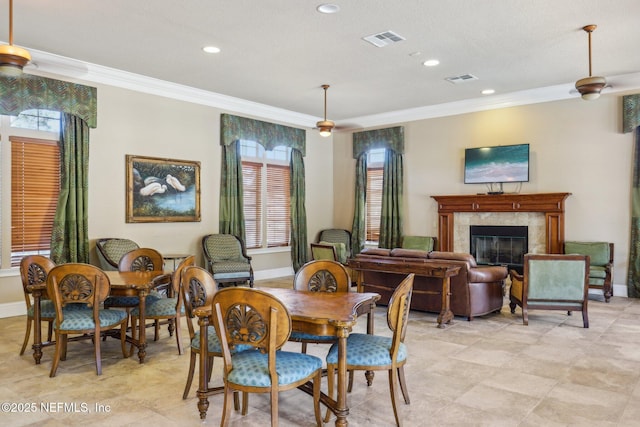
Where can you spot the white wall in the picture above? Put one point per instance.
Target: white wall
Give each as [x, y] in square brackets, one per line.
[576, 146]
[131, 122]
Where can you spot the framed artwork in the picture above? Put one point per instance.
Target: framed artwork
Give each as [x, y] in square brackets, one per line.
[162, 190]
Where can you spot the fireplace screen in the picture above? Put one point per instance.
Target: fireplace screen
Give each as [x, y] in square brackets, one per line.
[499, 245]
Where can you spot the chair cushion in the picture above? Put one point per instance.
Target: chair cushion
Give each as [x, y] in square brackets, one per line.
[251, 368]
[231, 267]
[301, 336]
[160, 307]
[367, 350]
[81, 319]
[129, 301]
[47, 309]
[341, 251]
[598, 251]
[214, 343]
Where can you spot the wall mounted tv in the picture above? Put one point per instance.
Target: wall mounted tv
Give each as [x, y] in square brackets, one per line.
[502, 163]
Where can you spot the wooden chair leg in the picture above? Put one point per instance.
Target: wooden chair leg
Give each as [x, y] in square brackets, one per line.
[134, 333]
[96, 350]
[316, 398]
[331, 377]
[50, 331]
[123, 339]
[226, 410]
[393, 388]
[176, 322]
[56, 356]
[192, 367]
[403, 385]
[304, 347]
[27, 334]
[274, 405]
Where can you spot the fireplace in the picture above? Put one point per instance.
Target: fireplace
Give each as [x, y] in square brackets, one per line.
[499, 245]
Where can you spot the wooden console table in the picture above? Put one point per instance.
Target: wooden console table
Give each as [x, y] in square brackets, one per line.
[419, 268]
[551, 204]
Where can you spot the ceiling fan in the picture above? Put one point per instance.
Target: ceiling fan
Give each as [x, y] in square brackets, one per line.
[325, 126]
[590, 87]
[12, 58]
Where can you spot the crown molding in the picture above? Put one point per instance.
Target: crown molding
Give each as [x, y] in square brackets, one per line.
[46, 63]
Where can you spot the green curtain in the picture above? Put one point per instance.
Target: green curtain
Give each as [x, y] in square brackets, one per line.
[358, 228]
[631, 120]
[231, 212]
[69, 238]
[391, 220]
[298, 211]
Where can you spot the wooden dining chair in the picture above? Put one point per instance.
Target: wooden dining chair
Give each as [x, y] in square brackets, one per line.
[319, 276]
[167, 307]
[78, 291]
[374, 352]
[34, 270]
[250, 317]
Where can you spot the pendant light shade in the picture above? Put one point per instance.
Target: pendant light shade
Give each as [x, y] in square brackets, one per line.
[12, 58]
[325, 126]
[590, 87]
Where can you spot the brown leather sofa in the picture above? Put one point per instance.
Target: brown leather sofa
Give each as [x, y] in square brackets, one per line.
[475, 290]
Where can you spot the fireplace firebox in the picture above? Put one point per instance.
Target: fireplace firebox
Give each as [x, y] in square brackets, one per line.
[499, 245]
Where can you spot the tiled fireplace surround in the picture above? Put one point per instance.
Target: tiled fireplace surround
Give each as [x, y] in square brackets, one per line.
[542, 213]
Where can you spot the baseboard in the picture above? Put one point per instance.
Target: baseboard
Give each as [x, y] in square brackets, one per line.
[12, 309]
[273, 273]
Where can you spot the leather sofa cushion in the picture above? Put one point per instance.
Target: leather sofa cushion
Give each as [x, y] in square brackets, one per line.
[458, 256]
[409, 253]
[376, 251]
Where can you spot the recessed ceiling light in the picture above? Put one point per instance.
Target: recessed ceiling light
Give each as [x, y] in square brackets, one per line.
[488, 92]
[328, 8]
[431, 63]
[211, 49]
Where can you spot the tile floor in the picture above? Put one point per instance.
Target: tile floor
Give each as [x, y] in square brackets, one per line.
[492, 371]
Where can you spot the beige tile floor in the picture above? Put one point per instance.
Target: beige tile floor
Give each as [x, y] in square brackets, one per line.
[492, 371]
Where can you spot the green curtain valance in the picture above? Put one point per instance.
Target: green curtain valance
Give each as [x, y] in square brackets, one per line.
[630, 112]
[269, 135]
[391, 138]
[31, 92]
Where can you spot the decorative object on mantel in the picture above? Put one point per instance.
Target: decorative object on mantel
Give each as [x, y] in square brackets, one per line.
[551, 204]
[325, 126]
[12, 58]
[162, 190]
[590, 87]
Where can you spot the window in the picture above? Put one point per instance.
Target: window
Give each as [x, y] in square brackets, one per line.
[375, 167]
[266, 198]
[35, 179]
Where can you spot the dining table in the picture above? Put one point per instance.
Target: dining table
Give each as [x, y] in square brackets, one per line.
[123, 283]
[318, 313]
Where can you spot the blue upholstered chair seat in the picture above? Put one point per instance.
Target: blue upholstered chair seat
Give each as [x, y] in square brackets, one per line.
[367, 350]
[213, 342]
[301, 336]
[76, 319]
[251, 368]
[159, 307]
[47, 309]
[129, 301]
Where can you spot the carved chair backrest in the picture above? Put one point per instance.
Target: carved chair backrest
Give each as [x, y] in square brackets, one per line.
[198, 289]
[34, 270]
[322, 276]
[142, 259]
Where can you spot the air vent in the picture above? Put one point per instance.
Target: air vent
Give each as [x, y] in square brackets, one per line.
[383, 39]
[461, 78]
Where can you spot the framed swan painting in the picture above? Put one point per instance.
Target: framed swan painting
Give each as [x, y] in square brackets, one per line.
[162, 190]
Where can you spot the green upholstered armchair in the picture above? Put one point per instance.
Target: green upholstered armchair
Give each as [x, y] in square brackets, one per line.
[423, 243]
[227, 259]
[111, 250]
[325, 251]
[551, 282]
[339, 237]
[601, 266]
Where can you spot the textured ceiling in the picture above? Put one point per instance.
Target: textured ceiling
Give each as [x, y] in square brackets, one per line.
[279, 52]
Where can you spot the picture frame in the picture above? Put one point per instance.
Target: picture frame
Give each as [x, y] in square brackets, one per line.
[162, 190]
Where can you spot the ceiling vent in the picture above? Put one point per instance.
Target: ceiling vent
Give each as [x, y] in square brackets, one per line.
[383, 39]
[461, 78]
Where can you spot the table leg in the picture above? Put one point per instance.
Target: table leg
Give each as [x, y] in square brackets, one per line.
[37, 329]
[369, 375]
[446, 315]
[142, 325]
[341, 404]
[203, 384]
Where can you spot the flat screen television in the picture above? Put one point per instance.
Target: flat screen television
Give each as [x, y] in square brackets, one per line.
[502, 163]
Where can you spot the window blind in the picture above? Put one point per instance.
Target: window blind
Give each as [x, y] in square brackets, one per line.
[252, 200]
[374, 204]
[35, 185]
[278, 205]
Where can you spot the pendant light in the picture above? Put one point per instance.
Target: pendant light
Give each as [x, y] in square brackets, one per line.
[590, 87]
[325, 126]
[12, 58]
